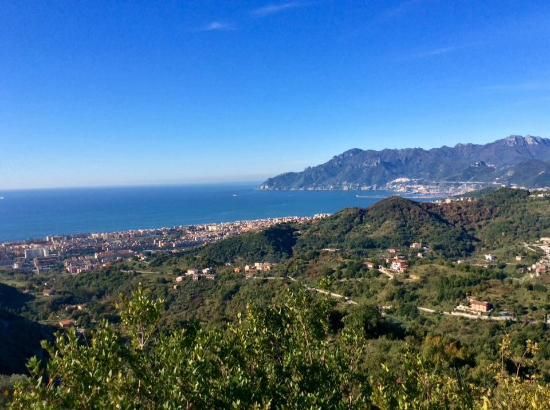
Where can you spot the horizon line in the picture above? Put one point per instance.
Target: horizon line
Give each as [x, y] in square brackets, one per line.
[135, 185]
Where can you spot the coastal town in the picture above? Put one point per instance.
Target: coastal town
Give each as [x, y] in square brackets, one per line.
[88, 252]
[417, 187]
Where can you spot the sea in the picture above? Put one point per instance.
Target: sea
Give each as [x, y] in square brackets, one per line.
[35, 214]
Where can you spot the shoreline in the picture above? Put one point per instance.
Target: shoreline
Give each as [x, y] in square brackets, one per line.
[141, 231]
[82, 253]
[32, 216]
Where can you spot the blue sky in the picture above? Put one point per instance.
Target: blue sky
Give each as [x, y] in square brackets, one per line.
[141, 92]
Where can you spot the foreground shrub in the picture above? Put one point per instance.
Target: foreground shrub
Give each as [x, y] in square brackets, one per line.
[281, 356]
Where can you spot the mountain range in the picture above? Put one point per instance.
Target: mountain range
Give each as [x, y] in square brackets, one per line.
[515, 160]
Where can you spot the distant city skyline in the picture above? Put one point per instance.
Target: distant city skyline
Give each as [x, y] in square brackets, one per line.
[140, 93]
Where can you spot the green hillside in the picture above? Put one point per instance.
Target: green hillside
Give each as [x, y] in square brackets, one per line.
[394, 222]
[493, 218]
[500, 217]
[271, 245]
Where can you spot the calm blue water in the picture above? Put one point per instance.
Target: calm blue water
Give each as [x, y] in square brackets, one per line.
[36, 214]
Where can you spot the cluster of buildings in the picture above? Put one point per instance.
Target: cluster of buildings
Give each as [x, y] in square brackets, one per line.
[88, 252]
[398, 263]
[210, 274]
[251, 270]
[28, 257]
[542, 266]
[540, 193]
[456, 199]
[395, 262]
[402, 185]
[196, 274]
[418, 187]
[89, 263]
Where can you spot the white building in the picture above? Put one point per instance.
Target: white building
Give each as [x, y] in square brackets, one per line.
[32, 253]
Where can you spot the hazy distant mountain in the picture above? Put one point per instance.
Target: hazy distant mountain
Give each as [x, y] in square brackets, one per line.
[513, 160]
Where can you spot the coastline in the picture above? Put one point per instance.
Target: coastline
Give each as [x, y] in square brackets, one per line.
[151, 231]
[88, 252]
[26, 215]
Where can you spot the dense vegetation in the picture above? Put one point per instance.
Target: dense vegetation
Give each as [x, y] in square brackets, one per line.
[391, 223]
[500, 218]
[288, 355]
[270, 245]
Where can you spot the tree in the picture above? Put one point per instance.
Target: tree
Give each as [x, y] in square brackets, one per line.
[271, 357]
[279, 356]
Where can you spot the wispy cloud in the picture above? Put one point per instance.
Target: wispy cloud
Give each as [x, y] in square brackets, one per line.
[435, 52]
[265, 11]
[402, 8]
[407, 56]
[440, 51]
[217, 26]
[272, 9]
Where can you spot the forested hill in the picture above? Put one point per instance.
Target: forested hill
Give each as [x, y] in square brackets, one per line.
[489, 220]
[516, 159]
[271, 245]
[494, 219]
[393, 222]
